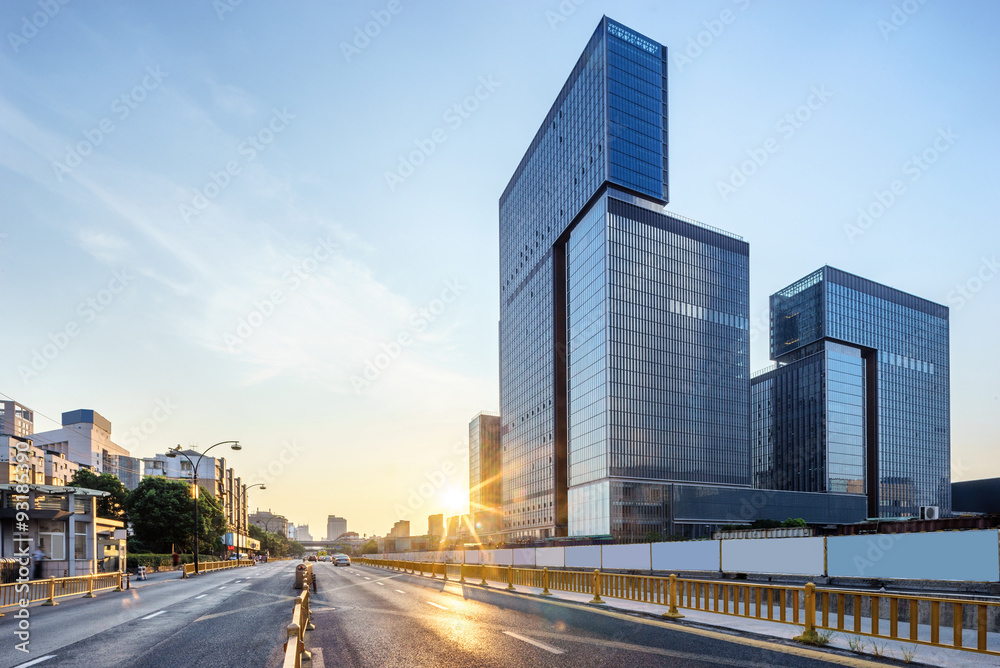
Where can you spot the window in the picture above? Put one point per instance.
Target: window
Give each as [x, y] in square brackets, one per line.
[81, 531]
[52, 539]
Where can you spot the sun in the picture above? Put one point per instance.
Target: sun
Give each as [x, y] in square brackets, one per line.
[453, 500]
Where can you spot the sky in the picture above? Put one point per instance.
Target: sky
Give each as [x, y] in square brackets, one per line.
[277, 222]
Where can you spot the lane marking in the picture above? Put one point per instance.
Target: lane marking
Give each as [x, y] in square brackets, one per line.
[435, 605]
[367, 578]
[540, 645]
[36, 661]
[155, 614]
[380, 584]
[202, 596]
[222, 587]
[401, 591]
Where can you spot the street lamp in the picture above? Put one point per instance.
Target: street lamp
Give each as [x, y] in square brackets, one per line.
[243, 509]
[173, 452]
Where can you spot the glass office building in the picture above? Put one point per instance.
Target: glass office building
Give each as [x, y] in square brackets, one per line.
[859, 401]
[484, 474]
[623, 329]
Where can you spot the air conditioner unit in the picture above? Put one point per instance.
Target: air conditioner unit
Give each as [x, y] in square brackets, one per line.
[929, 513]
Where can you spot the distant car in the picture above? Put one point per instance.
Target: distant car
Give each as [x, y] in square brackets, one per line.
[341, 560]
[327, 558]
[312, 557]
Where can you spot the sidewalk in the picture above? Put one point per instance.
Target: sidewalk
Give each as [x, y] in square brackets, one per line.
[921, 654]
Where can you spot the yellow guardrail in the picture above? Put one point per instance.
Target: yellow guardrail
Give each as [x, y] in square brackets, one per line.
[874, 614]
[295, 647]
[52, 588]
[206, 566]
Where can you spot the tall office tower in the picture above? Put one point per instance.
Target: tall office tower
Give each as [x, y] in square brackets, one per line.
[623, 329]
[335, 527]
[484, 474]
[859, 401]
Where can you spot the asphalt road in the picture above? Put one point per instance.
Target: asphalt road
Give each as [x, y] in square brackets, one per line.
[373, 617]
[364, 617]
[226, 618]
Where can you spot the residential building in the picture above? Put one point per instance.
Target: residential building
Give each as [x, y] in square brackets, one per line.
[485, 465]
[16, 420]
[302, 533]
[335, 526]
[400, 529]
[85, 438]
[214, 475]
[858, 401]
[59, 470]
[270, 522]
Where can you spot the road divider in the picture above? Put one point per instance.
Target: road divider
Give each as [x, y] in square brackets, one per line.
[49, 590]
[920, 620]
[295, 648]
[209, 566]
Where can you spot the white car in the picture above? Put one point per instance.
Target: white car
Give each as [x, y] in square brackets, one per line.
[341, 560]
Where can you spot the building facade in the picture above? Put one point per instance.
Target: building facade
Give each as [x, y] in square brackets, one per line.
[485, 485]
[335, 526]
[85, 438]
[435, 526]
[624, 361]
[859, 399]
[269, 522]
[16, 420]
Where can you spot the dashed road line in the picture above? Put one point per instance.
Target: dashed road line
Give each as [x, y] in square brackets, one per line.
[435, 605]
[540, 645]
[401, 591]
[202, 596]
[37, 661]
[155, 614]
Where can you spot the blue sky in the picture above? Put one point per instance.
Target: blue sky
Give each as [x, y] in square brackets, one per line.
[197, 213]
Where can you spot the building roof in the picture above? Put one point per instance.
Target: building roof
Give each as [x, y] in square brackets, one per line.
[56, 489]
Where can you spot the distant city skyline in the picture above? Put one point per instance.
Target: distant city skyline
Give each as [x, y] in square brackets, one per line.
[207, 237]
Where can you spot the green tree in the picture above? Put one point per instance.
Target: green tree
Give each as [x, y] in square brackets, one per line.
[371, 547]
[796, 522]
[111, 507]
[295, 549]
[274, 544]
[162, 514]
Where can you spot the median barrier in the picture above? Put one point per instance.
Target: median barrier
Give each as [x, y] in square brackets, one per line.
[937, 621]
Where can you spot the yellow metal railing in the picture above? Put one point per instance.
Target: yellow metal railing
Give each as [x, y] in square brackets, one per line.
[52, 588]
[954, 623]
[207, 566]
[295, 647]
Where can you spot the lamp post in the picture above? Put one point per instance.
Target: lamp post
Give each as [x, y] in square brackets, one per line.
[173, 452]
[243, 509]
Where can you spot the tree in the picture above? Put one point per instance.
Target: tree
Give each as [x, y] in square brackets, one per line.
[162, 514]
[371, 547]
[296, 549]
[274, 544]
[110, 507]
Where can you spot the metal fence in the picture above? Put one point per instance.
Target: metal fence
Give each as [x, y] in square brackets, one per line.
[206, 566]
[294, 650]
[936, 621]
[49, 590]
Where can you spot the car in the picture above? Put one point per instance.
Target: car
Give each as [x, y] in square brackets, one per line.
[312, 557]
[341, 560]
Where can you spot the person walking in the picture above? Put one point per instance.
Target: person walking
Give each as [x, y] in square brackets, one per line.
[37, 557]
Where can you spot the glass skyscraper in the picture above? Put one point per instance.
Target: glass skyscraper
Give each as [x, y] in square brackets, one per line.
[859, 401]
[484, 474]
[623, 329]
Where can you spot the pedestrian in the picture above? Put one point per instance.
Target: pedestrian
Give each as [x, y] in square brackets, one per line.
[176, 558]
[37, 557]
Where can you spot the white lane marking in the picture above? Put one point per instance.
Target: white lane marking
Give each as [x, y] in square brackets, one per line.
[401, 591]
[382, 584]
[540, 645]
[367, 578]
[202, 596]
[237, 582]
[222, 587]
[438, 606]
[36, 661]
[155, 614]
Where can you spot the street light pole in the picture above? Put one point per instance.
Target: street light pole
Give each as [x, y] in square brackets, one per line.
[173, 452]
